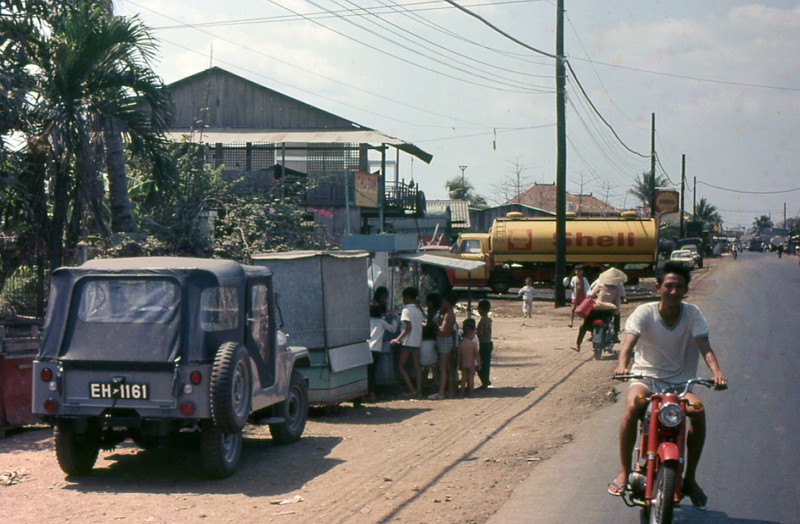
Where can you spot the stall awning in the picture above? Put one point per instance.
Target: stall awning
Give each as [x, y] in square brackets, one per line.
[441, 261]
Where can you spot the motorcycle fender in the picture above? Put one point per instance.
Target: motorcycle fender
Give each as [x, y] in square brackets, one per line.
[668, 451]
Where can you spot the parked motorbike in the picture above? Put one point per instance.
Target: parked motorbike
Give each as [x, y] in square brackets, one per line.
[603, 335]
[655, 480]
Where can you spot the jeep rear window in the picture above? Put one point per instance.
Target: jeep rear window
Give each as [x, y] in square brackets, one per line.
[219, 308]
[128, 300]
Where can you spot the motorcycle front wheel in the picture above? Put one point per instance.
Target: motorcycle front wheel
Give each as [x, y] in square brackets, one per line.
[664, 493]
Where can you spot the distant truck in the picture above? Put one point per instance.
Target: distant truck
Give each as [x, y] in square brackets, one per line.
[518, 247]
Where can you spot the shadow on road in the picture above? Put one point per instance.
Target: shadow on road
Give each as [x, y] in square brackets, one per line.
[266, 469]
[691, 515]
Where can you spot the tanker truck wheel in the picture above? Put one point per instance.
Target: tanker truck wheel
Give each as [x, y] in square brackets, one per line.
[500, 287]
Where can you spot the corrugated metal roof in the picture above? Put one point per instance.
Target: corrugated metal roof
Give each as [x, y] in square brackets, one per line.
[459, 211]
[437, 260]
[260, 136]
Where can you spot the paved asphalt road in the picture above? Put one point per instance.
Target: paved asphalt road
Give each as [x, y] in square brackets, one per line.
[750, 467]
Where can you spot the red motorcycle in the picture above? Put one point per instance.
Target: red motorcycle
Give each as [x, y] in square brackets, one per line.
[655, 480]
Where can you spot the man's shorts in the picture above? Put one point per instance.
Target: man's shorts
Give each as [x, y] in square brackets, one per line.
[445, 345]
[410, 349]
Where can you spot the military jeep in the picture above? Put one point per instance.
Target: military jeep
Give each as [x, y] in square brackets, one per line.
[152, 348]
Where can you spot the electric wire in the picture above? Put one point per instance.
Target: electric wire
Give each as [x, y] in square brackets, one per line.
[597, 74]
[498, 30]
[743, 192]
[314, 73]
[391, 55]
[487, 133]
[689, 77]
[396, 30]
[523, 57]
[583, 92]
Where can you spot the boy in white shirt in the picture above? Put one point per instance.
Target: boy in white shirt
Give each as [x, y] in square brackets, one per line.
[410, 339]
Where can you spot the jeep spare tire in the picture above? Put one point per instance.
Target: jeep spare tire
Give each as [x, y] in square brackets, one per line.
[293, 411]
[231, 388]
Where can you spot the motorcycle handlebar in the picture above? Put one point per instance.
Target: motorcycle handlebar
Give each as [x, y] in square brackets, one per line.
[707, 382]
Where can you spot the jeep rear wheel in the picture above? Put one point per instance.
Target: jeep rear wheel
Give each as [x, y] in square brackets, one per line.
[293, 410]
[231, 388]
[76, 452]
[220, 452]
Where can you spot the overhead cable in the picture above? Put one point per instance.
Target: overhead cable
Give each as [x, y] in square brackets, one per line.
[583, 91]
[497, 29]
[750, 192]
[689, 77]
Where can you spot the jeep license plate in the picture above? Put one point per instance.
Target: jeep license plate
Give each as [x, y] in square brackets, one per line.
[122, 391]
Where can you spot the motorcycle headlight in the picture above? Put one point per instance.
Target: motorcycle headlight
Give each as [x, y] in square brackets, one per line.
[670, 415]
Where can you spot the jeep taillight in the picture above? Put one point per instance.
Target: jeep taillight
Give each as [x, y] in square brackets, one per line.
[598, 323]
[186, 409]
[195, 377]
[51, 405]
[46, 374]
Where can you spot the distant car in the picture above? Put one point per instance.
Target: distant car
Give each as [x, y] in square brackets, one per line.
[698, 258]
[684, 257]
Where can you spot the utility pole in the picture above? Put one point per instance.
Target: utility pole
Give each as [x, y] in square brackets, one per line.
[683, 185]
[561, 159]
[462, 168]
[652, 164]
[694, 199]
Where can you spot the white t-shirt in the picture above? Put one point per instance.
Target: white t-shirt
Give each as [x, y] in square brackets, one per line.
[411, 313]
[527, 293]
[377, 327]
[668, 353]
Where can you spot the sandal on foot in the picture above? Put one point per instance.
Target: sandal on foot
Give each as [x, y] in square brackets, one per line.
[697, 496]
[577, 349]
[616, 489]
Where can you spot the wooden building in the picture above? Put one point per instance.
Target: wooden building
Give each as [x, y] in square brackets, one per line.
[254, 133]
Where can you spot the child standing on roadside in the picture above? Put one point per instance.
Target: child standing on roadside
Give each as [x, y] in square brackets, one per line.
[485, 344]
[579, 286]
[469, 358]
[410, 339]
[527, 298]
[445, 345]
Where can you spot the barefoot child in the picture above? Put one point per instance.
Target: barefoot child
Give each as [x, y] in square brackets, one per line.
[469, 358]
[485, 344]
[527, 298]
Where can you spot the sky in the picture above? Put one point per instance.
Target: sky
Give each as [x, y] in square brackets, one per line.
[721, 76]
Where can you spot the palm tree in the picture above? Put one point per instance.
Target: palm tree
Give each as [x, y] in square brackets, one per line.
[92, 75]
[643, 188]
[707, 213]
[460, 188]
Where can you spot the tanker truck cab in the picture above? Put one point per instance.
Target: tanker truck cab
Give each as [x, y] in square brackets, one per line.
[474, 247]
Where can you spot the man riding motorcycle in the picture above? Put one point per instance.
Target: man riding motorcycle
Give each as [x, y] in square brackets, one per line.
[664, 338]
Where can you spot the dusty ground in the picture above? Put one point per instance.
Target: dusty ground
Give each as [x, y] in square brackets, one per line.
[418, 461]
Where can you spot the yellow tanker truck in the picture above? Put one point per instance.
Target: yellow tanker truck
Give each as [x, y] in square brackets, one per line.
[518, 247]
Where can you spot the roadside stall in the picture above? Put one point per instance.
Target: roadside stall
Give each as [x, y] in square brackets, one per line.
[19, 342]
[324, 303]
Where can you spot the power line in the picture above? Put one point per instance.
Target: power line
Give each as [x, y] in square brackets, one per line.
[493, 132]
[583, 91]
[416, 41]
[314, 73]
[750, 192]
[498, 30]
[387, 53]
[689, 77]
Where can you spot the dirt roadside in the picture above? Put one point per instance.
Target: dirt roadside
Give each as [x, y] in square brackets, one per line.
[420, 461]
